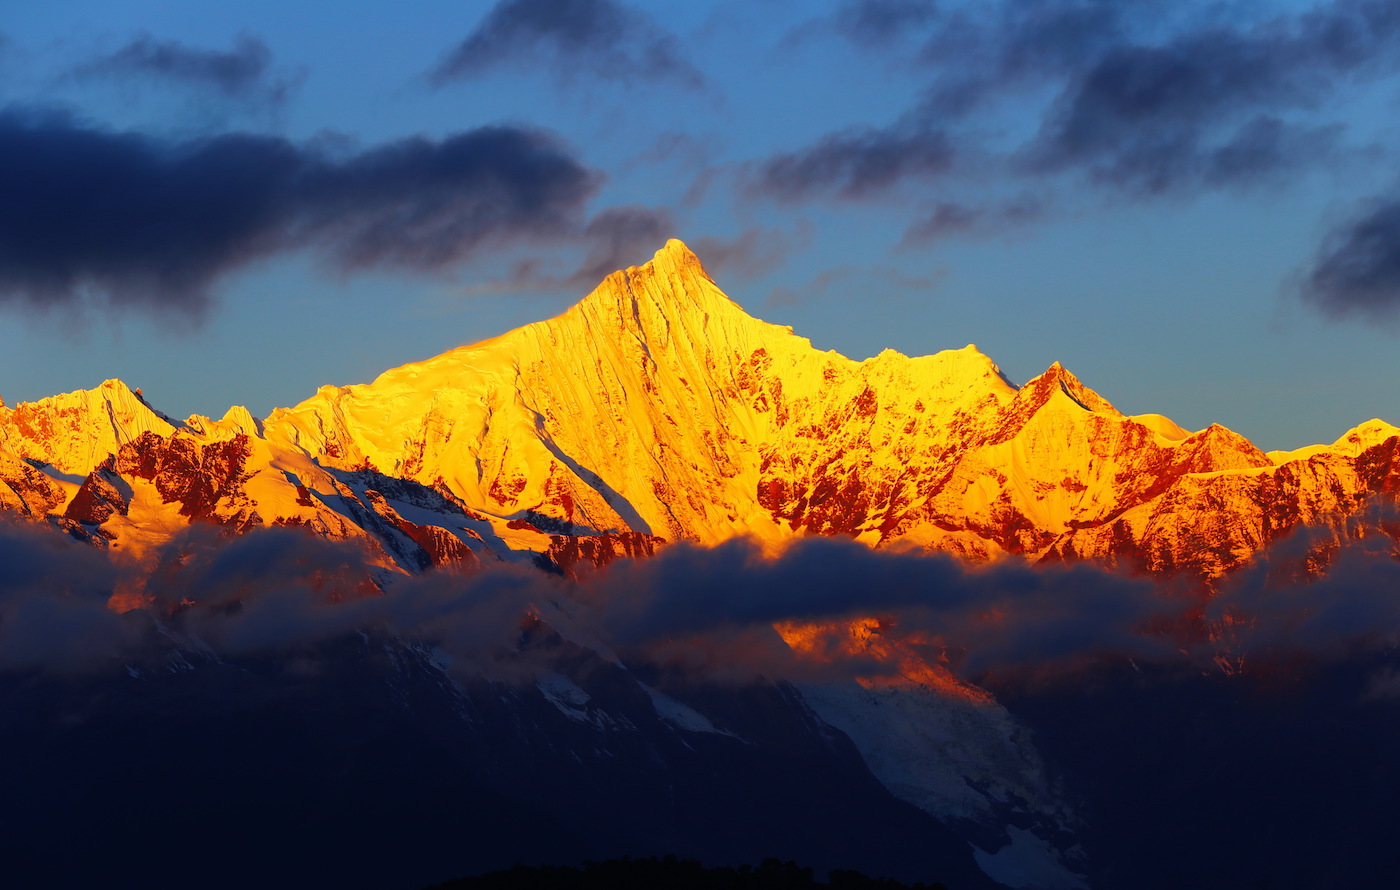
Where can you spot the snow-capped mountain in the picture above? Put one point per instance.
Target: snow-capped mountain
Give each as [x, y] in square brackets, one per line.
[657, 411]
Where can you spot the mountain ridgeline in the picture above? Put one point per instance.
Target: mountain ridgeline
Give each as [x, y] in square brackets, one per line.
[657, 410]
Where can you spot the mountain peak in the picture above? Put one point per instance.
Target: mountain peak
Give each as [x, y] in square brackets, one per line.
[1370, 433]
[675, 265]
[670, 294]
[76, 431]
[1058, 378]
[675, 253]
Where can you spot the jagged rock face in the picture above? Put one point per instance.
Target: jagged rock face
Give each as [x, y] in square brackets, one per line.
[103, 493]
[657, 409]
[193, 476]
[25, 490]
[574, 552]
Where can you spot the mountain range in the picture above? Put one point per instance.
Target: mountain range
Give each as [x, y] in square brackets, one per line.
[657, 410]
[653, 422]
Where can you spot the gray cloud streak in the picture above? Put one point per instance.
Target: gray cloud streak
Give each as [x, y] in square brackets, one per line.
[243, 73]
[604, 39]
[1357, 272]
[1141, 98]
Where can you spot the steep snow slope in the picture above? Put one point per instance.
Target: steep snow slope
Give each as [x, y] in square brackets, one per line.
[76, 431]
[636, 409]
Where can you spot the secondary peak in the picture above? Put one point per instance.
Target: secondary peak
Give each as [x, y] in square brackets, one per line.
[1058, 377]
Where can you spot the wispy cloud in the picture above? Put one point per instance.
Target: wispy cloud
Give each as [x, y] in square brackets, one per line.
[752, 252]
[1127, 101]
[881, 22]
[612, 239]
[243, 73]
[619, 237]
[858, 163]
[1357, 273]
[1135, 98]
[950, 218]
[603, 39]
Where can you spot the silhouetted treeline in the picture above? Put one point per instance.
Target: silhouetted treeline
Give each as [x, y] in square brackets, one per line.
[673, 874]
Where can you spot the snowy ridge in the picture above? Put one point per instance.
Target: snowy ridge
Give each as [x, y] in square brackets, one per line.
[76, 431]
[657, 409]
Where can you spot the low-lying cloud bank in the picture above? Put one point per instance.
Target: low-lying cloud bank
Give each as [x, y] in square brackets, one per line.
[689, 608]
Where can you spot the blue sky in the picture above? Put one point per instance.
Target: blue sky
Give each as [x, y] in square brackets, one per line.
[1193, 206]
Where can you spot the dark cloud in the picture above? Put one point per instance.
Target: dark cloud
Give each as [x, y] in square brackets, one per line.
[602, 38]
[1357, 274]
[976, 53]
[141, 222]
[699, 609]
[1142, 98]
[688, 589]
[856, 164]
[971, 57]
[710, 609]
[1020, 42]
[279, 589]
[242, 73]
[1198, 110]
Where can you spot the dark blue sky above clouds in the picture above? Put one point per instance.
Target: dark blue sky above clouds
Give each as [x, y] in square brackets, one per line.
[1194, 206]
